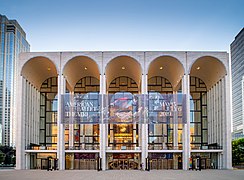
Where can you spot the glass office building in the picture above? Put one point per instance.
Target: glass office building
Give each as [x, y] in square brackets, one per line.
[237, 65]
[117, 110]
[12, 42]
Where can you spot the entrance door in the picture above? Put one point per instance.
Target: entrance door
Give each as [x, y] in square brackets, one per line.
[160, 164]
[154, 164]
[120, 164]
[123, 161]
[92, 164]
[126, 164]
[203, 163]
[133, 164]
[123, 164]
[44, 163]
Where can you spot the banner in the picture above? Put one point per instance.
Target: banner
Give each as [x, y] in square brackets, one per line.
[123, 108]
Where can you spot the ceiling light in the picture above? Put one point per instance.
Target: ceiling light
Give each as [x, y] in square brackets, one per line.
[123, 67]
[85, 68]
[49, 69]
[198, 68]
[161, 68]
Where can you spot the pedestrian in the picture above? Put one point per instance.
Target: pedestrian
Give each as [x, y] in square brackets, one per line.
[141, 166]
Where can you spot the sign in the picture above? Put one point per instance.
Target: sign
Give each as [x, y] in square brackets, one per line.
[81, 108]
[166, 108]
[123, 108]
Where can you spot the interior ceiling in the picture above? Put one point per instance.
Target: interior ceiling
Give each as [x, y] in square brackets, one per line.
[171, 69]
[37, 70]
[78, 68]
[131, 69]
[208, 69]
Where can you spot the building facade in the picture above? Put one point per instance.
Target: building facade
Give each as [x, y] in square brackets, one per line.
[12, 42]
[237, 65]
[202, 133]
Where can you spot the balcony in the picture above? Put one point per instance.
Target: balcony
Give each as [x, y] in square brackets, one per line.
[40, 147]
[163, 147]
[213, 146]
[123, 147]
[84, 147]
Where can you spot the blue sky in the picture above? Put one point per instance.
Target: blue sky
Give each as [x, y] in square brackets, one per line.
[107, 25]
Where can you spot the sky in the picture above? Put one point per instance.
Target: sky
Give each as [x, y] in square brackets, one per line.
[127, 25]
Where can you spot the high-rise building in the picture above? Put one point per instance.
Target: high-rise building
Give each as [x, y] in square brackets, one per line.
[237, 65]
[12, 42]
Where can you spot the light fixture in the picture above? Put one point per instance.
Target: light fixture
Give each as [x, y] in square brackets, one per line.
[85, 68]
[161, 67]
[49, 69]
[123, 68]
[198, 68]
[122, 127]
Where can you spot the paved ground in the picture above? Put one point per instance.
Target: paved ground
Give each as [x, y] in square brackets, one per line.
[121, 175]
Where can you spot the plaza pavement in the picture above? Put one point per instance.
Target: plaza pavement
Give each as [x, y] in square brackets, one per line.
[121, 175]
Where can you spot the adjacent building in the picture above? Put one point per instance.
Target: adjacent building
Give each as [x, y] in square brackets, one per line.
[237, 65]
[117, 110]
[12, 42]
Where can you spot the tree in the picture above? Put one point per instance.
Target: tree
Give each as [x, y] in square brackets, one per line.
[8, 154]
[2, 157]
[238, 151]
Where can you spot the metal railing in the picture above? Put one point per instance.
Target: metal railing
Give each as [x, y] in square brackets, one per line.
[125, 147]
[83, 147]
[40, 148]
[206, 147]
[163, 147]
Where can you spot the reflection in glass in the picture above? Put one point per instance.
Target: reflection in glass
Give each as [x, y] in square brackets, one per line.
[198, 113]
[122, 136]
[160, 136]
[48, 113]
[85, 136]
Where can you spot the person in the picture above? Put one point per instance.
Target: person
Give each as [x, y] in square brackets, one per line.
[55, 164]
[141, 166]
[52, 164]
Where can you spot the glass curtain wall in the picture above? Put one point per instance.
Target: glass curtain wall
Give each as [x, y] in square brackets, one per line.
[86, 136]
[48, 114]
[198, 114]
[123, 136]
[160, 135]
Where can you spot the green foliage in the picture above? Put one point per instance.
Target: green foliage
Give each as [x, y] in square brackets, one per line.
[7, 155]
[2, 157]
[238, 151]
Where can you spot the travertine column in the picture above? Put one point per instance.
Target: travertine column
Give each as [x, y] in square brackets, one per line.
[227, 148]
[61, 144]
[103, 133]
[144, 127]
[186, 127]
[20, 139]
